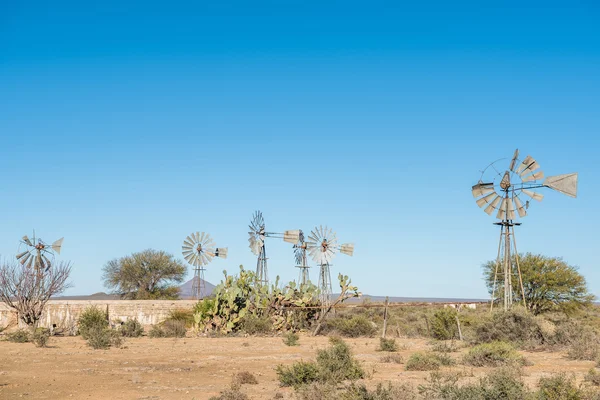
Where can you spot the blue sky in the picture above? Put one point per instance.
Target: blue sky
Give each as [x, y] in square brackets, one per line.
[126, 127]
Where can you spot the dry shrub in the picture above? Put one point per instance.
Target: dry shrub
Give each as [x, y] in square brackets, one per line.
[392, 358]
[18, 336]
[515, 326]
[428, 361]
[559, 387]
[256, 325]
[354, 326]
[232, 393]
[40, 337]
[444, 347]
[182, 315]
[168, 329]
[244, 378]
[592, 377]
[291, 339]
[585, 346]
[387, 345]
[103, 338]
[92, 319]
[298, 374]
[493, 354]
[131, 328]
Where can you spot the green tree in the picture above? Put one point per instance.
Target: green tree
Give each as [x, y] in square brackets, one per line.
[149, 274]
[549, 283]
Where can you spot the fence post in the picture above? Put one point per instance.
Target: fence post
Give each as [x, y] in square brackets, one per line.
[385, 316]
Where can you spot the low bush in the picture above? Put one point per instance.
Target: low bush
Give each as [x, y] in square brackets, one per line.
[585, 346]
[392, 358]
[131, 328]
[443, 324]
[381, 392]
[493, 354]
[298, 374]
[333, 365]
[592, 377]
[244, 378]
[387, 345]
[92, 319]
[515, 326]
[19, 336]
[291, 339]
[40, 337]
[232, 393]
[356, 326]
[102, 338]
[559, 387]
[428, 361]
[444, 347]
[168, 329]
[182, 315]
[256, 325]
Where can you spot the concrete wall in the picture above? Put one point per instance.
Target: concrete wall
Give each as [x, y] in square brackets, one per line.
[64, 313]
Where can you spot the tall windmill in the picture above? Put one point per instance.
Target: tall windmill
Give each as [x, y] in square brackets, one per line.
[38, 253]
[300, 258]
[322, 247]
[257, 236]
[199, 249]
[501, 190]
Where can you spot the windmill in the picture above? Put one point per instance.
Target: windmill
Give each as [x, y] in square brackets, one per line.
[501, 190]
[199, 249]
[257, 236]
[38, 253]
[322, 247]
[300, 257]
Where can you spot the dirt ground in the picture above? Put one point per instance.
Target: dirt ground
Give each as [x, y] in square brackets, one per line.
[198, 368]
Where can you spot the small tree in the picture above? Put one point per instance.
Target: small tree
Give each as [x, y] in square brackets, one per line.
[150, 274]
[550, 284]
[28, 289]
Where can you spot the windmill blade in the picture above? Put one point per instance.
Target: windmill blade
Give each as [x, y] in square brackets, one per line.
[40, 263]
[534, 177]
[482, 189]
[566, 183]
[222, 252]
[291, 236]
[26, 240]
[188, 242]
[347, 249]
[514, 160]
[533, 195]
[511, 210]
[30, 263]
[25, 258]
[528, 165]
[38, 260]
[57, 245]
[519, 206]
[489, 199]
[493, 205]
[502, 210]
[22, 254]
[48, 264]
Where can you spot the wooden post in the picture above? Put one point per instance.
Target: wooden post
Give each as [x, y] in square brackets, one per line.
[385, 316]
[460, 336]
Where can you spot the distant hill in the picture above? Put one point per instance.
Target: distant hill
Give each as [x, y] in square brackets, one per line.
[185, 290]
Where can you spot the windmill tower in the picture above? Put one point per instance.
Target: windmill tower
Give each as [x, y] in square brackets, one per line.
[199, 249]
[37, 253]
[300, 258]
[257, 236]
[499, 190]
[322, 247]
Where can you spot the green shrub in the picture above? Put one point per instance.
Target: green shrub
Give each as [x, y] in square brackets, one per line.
[92, 318]
[559, 387]
[392, 358]
[381, 392]
[256, 325]
[19, 336]
[443, 324]
[298, 374]
[291, 339]
[131, 328]
[515, 326]
[103, 338]
[356, 326]
[156, 332]
[244, 378]
[493, 354]
[333, 365]
[428, 361]
[337, 364]
[387, 345]
[444, 347]
[40, 337]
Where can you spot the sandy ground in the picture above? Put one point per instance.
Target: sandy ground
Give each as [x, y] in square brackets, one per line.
[198, 368]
